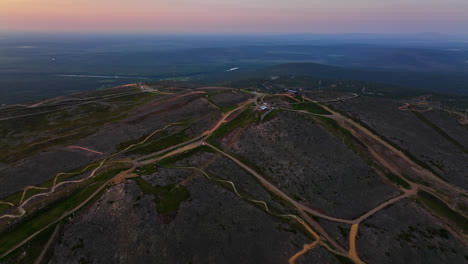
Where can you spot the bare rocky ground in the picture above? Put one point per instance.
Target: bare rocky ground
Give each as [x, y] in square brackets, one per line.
[312, 165]
[230, 98]
[155, 116]
[338, 231]
[41, 168]
[449, 123]
[321, 96]
[199, 159]
[221, 168]
[405, 233]
[213, 226]
[227, 170]
[166, 176]
[318, 255]
[406, 130]
[44, 165]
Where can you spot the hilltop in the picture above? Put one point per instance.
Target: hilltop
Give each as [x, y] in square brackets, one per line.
[303, 169]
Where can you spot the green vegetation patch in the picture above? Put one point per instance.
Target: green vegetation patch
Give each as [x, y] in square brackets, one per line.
[397, 180]
[32, 192]
[14, 198]
[30, 251]
[270, 115]
[310, 107]
[4, 207]
[167, 198]
[348, 139]
[161, 143]
[299, 97]
[40, 219]
[396, 146]
[147, 169]
[157, 137]
[62, 126]
[241, 120]
[441, 209]
[209, 96]
[169, 161]
[69, 174]
[288, 99]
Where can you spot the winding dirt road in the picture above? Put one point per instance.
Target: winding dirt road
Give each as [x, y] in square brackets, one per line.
[356, 129]
[306, 247]
[284, 196]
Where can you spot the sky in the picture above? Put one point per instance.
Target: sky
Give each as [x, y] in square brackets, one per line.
[236, 16]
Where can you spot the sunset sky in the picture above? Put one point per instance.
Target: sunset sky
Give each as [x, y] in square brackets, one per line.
[236, 16]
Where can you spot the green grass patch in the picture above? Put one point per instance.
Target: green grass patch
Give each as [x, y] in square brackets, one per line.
[241, 120]
[156, 137]
[343, 134]
[223, 109]
[32, 249]
[14, 198]
[270, 115]
[4, 207]
[32, 192]
[66, 125]
[161, 154]
[208, 97]
[169, 161]
[161, 143]
[299, 97]
[441, 209]
[310, 107]
[288, 99]
[391, 143]
[38, 220]
[70, 174]
[167, 198]
[147, 169]
[397, 180]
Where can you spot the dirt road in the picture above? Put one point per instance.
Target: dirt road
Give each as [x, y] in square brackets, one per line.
[65, 214]
[281, 194]
[47, 246]
[352, 244]
[85, 149]
[405, 107]
[357, 130]
[306, 248]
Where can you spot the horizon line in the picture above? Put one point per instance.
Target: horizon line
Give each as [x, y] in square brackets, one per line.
[216, 33]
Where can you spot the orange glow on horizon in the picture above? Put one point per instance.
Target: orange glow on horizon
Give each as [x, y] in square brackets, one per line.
[187, 15]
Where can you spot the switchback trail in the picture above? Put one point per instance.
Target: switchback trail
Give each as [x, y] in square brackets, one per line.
[304, 219]
[281, 194]
[306, 248]
[64, 215]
